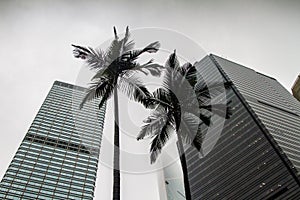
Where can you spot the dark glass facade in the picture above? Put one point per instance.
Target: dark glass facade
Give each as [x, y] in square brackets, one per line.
[257, 153]
[275, 107]
[58, 156]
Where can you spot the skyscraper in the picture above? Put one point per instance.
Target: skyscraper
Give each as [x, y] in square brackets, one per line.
[58, 156]
[257, 154]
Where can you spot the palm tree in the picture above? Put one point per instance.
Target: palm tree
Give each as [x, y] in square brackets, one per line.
[116, 68]
[182, 107]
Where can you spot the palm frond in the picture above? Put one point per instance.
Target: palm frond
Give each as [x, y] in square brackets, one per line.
[115, 33]
[134, 89]
[119, 48]
[221, 109]
[96, 59]
[229, 110]
[149, 67]
[113, 51]
[172, 73]
[190, 73]
[180, 80]
[198, 140]
[127, 45]
[203, 115]
[127, 34]
[159, 141]
[109, 90]
[177, 112]
[93, 57]
[150, 48]
[101, 73]
[173, 78]
[173, 62]
[96, 90]
[80, 52]
[162, 97]
[188, 127]
[153, 123]
[210, 90]
[131, 56]
[205, 119]
[168, 79]
[89, 96]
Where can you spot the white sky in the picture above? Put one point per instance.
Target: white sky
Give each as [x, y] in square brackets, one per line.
[35, 38]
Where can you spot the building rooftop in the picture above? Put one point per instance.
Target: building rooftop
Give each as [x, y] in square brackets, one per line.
[68, 85]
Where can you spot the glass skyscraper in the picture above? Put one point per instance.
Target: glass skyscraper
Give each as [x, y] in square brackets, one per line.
[257, 155]
[58, 156]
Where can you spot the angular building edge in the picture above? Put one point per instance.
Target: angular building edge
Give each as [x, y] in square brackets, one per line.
[268, 135]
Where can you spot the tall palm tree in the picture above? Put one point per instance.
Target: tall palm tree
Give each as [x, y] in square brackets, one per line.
[182, 106]
[116, 68]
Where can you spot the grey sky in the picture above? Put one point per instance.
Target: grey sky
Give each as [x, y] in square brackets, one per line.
[35, 38]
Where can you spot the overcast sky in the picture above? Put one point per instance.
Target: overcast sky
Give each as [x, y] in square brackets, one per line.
[35, 38]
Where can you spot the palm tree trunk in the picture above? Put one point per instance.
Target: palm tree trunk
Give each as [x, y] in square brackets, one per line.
[116, 181]
[184, 169]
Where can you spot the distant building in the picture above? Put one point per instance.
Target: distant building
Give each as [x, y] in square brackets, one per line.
[170, 180]
[58, 156]
[296, 88]
[257, 155]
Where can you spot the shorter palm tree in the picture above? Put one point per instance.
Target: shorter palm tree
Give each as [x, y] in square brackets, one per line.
[117, 68]
[183, 105]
